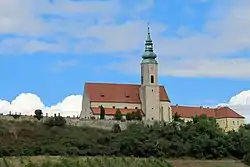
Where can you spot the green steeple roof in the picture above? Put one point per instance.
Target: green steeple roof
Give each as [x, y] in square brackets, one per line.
[149, 55]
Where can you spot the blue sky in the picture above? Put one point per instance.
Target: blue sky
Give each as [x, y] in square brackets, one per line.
[51, 48]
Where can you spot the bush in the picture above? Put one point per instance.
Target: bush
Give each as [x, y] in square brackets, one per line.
[118, 115]
[116, 128]
[16, 116]
[102, 112]
[135, 115]
[200, 138]
[38, 114]
[246, 159]
[55, 121]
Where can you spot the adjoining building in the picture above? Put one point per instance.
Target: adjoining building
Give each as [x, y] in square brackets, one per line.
[149, 97]
[227, 118]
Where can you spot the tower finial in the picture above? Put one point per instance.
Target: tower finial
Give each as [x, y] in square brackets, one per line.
[148, 36]
[149, 49]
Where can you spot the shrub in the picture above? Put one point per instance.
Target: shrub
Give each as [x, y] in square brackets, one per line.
[38, 114]
[102, 112]
[116, 128]
[118, 115]
[55, 121]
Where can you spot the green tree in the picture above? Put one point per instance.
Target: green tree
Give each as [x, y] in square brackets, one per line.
[16, 116]
[55, 121]
[129, 116]
[137, 115]
[177, 118]
[38, 114]
[60, 121]
[102, 112]
[118, 115]
[116, 128]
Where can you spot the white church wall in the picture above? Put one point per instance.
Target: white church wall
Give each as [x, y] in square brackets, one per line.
[116, 105]
[86, 112]
[152, 104]
[167, 111]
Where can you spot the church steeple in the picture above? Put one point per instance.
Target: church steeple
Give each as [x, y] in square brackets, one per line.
[149, 48]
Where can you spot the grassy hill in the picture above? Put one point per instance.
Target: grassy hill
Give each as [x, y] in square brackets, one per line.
[42, 161]
[200, 139]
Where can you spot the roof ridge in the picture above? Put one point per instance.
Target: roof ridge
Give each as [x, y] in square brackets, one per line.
[177, 105]
[112, 83]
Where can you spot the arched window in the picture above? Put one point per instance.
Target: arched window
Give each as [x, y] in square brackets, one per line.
[141, 79]
[152, 79]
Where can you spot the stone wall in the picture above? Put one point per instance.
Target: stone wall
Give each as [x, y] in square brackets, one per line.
[102, 124]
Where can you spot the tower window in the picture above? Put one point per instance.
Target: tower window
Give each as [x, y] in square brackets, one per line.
[141, 79]
[152, 79]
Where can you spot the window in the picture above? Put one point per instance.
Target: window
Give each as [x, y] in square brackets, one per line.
[141, 79]
[152, 108]
[152, 79]
[152, 90]
[136, 107]
[233, 122]
[113, 106]
[152, 118]
[238, 123]
[125, 107]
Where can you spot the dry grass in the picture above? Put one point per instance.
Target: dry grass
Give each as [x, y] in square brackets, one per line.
[21, 161]
[206, 163]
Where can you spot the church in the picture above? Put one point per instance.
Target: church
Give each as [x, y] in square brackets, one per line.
[149, 97]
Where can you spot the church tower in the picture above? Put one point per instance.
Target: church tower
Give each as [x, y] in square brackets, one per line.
[149, 91]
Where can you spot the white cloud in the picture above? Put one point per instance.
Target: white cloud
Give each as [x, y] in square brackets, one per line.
[27, 103]
[240, 103]
[97, 26]
[20, 45]
[214, 51]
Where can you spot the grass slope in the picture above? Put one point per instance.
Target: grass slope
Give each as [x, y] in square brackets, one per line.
[43, 161]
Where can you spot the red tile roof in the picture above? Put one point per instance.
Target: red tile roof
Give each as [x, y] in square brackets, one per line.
[118, 93]
[189, 112]
[226, 112]
[183, 111]
[111, 111]
[220, 112]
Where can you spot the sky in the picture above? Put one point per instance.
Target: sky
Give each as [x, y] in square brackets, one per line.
[50, 48]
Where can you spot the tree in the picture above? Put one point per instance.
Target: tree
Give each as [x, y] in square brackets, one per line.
[102, 112]
[177, 118]
[138, 115]
[135, 115]
[55, 121]
[129, 116]
[118, 115]
[116, 128]
[15, 116]
[38, 114]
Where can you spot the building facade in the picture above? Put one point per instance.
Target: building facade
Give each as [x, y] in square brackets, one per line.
[149, 97]
[226, 118]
